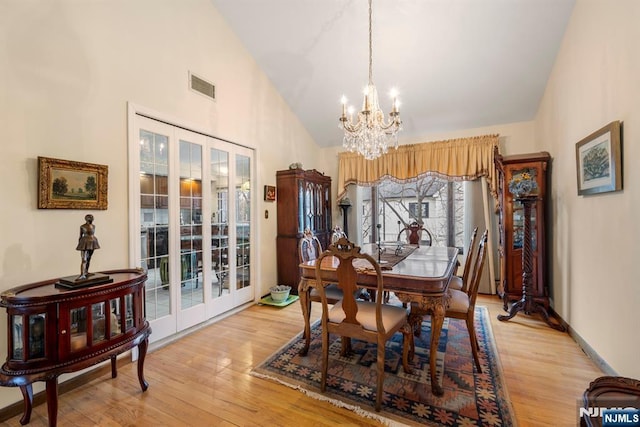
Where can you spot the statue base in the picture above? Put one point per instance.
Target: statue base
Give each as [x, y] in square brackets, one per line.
[74, 282]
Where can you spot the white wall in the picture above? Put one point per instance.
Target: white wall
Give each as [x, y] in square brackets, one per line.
[596, 80]
[68, 69]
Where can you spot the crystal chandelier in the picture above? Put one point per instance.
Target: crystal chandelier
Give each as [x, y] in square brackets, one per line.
[369, 135]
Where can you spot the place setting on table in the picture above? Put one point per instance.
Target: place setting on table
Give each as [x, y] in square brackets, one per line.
[388, 253]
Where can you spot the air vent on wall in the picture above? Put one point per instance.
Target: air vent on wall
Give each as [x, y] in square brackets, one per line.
[202, 86]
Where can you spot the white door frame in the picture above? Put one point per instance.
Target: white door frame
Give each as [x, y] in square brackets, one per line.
[178, 319]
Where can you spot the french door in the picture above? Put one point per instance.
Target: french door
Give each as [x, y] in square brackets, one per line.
[192, 223]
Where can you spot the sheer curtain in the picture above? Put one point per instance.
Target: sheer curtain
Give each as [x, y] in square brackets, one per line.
[462, 159]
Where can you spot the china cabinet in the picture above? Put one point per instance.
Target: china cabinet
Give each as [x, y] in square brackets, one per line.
[303, 201]
[511, 226]
[53, 330]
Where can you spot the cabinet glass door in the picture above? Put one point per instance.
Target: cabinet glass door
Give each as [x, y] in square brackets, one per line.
[518, 214]
[115, 322]
[518, 226]
[78, 330]
[98, 322]
[37, 328]
[17, 328]
[128, 312]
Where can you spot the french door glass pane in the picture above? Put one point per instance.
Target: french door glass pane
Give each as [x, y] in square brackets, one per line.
[243, 218]
[219, 173]
[154, 221]
[190, 224]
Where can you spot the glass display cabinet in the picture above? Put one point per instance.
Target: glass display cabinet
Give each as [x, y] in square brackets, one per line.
[55, 330]
[511, 226]
[304, 201]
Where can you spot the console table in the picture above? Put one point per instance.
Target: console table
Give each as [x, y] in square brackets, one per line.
[53, 330]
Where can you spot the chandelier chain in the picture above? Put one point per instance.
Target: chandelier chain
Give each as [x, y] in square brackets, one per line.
[370, 45]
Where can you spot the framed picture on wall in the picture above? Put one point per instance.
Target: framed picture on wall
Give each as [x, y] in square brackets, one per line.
[599, 161]
[269, 193]
[66, 184]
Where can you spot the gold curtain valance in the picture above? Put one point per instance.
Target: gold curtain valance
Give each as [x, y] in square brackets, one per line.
[458, 159]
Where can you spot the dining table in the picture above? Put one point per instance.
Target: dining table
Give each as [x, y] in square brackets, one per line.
[419, 279]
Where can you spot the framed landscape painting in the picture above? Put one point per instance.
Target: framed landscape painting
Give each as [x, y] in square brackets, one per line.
[599, 161]
[65, 184]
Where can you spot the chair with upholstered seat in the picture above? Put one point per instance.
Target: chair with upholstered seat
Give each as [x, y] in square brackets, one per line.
[460, 282]
[462, 304]
[364, 320]
[416, 234]
[337, 233]
[309, 249]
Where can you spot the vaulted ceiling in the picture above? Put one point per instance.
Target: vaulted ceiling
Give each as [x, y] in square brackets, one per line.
[457, 64]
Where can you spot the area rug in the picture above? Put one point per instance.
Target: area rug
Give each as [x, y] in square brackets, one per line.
[470, 398]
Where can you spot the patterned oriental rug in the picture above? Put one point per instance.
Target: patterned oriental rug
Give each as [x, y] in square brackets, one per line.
[470, 398]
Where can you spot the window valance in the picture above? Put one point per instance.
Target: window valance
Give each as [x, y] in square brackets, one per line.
[455, 159]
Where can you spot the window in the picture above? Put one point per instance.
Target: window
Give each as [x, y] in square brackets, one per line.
[416, 213]
[437, 204]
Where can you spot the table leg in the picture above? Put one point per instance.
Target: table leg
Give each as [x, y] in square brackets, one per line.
[421, 306]
[415, 320]
[52, 401]
[27, 397]
[114, 367]
[142, 353]
[437, 319]
[305, 304]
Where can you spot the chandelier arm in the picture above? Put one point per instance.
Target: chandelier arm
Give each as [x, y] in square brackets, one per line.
[350, 126]
[384, 126]
[353, 127]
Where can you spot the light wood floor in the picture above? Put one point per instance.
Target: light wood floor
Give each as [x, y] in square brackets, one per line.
[203, 379]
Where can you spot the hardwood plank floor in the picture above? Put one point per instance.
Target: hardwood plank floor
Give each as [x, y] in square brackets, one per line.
[203, 379]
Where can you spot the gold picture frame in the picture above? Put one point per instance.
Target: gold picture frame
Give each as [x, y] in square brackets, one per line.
[66, 184]
[599, 161]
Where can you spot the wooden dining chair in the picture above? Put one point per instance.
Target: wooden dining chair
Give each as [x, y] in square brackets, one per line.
[309, 249]
[416, 234]
[462, 305]
[369, 321]
[460, 282]
[337, 233]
